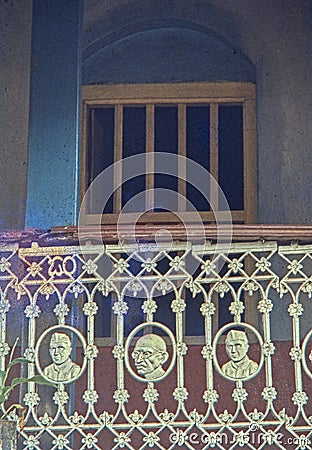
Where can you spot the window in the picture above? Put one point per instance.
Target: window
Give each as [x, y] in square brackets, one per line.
[211, 123]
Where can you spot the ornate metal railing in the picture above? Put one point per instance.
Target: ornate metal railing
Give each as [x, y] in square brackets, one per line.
[161, 346]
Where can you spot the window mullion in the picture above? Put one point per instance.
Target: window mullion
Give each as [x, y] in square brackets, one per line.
[182, 152]
[150, 147]
[118, 141]
[214, 153]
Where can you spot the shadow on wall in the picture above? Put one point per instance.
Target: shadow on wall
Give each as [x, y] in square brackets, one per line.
[154, 42]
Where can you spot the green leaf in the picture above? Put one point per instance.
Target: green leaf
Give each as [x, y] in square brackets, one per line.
[38, 379]
[17, 381]
[2, 375]
[19, 360]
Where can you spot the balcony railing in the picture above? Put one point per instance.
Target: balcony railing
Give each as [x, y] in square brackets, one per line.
[164, 345]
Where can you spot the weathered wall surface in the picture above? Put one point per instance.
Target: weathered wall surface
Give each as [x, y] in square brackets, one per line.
[273, 38]
[15, 37]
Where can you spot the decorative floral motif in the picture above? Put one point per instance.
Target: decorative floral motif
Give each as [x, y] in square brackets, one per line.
[164, 286]
[4, 264]
[269, 394]
[295, 309]
[207, 352]
[32, 311]
[60, 398]
[150, 395]
[46, 420]
[34, 269]
[31, 442]
[193, 287]
[90, 308]
[121, 265]
[4, 349]
[207, 309]
[90, 267]
[178, 305]
[180, 394]
[118, 352]
[104, 288]
[210, 396]
[136, 417]
[208, 267]
[135, 287]
[151, 439]
[4, 305]
[235, 265]
[61, 441]
[240, 395]
[91, 352]
[149, 306]
[76, 289]
[149, 265]
[89, 441]
[295, 267]
[251, 287]
[268, 348]
[222, 288]
[300, 398]
[196, 418]
[307, 288]
[236, 308]
[61, 310]
[31, 399]
[46, 290]
[265, 305]
[225, 417]
[177, 263]
[76, 419]
[122, 440]
[29, 354]
[106, 418]
[90, 396]
[120, 308]
[263, 264]
[295, 354]
[181, 349]
[166, 416]
[121, 396]
[255, 416]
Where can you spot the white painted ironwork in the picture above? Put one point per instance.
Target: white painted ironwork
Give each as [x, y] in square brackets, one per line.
[153, 382]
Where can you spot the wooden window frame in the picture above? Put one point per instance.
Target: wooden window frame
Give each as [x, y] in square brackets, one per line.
[181, 95]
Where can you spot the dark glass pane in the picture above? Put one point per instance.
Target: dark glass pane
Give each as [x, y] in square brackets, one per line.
[100, 146]
[102, 319]
[231, 160]
[166, 140]
[198, 149]
[134, 138]
[194, 320]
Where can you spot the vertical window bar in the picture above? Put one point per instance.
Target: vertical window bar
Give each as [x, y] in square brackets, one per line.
[150, 138]
[214, 153]
[250, 161]
[118, 157]
[182, 152]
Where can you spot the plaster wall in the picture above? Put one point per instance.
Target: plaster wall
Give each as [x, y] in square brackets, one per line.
[15, 38]
[275, 38]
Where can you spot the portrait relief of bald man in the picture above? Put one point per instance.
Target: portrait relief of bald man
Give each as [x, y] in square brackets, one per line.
[149, 355]
[62, 368]
[240, 365]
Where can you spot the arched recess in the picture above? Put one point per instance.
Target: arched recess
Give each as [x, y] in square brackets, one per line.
[163, 52]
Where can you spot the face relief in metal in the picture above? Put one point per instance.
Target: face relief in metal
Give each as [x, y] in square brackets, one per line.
[149, 378]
